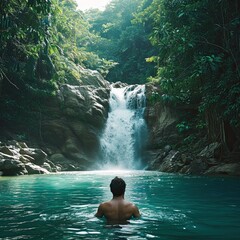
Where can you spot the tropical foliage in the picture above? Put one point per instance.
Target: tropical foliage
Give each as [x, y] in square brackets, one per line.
[122, 41]
[198, 55]
[190, 48]
[42, 45]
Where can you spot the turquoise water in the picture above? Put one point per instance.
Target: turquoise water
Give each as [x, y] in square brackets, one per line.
[61, 206]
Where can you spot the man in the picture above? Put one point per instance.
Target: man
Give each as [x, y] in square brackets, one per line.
[117, 210]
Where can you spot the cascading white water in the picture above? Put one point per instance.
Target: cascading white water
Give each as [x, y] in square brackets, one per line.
[125, 132]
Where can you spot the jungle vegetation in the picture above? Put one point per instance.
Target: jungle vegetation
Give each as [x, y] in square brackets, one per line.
[42, 45]
[189, 48]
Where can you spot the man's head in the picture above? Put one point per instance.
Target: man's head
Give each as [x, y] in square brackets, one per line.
[117, 186]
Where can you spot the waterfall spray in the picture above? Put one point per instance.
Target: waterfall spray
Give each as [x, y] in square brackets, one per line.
[125, 132]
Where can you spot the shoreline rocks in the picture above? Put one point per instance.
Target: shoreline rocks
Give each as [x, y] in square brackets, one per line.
[16, 158]
[67, 138]
[72, 123]
[70, 136]
[165, 151]
[175, 162]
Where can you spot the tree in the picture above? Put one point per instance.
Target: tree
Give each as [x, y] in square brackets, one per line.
[43, 43]
[198, 58]
[123, 41]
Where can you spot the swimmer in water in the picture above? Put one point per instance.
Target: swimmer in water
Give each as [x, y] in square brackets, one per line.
[117, 210]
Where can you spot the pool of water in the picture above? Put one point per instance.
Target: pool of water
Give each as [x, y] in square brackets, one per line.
[62, 206]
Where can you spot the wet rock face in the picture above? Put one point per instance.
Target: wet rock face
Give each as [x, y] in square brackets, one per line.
[75, 120]
[224, 169]
[69, 128]
[160, 154]
[92, 78]
[85, 103]
[161, 120]
[16, 158]
[205, 163]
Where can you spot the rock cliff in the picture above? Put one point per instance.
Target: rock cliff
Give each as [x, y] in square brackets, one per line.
[76, 117]
[16, 158]
[165, 150]
[69, 129]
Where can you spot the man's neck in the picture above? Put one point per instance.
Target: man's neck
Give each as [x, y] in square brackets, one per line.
[118, 197]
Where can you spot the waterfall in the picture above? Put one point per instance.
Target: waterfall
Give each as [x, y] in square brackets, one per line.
[125, 132]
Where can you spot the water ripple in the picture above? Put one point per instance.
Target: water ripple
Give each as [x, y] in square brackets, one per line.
[62, 206]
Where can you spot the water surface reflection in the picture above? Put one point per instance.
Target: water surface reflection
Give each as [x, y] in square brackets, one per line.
[62, 206]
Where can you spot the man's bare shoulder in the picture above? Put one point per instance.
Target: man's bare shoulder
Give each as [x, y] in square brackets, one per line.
[129, 204]
[105, 205]
[102, 209]
[135, 210]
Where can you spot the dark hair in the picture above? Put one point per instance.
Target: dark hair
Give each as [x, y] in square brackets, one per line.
[117, 186]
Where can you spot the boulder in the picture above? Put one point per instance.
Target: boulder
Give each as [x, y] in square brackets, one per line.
[6, 156]
[21, 144]
[85, 103]
[197, 166]
[27, 158]
[70, 147]
[76, 163]
[72, 151]
[232, 169]
[34, 169]
[38, 155]
[210, 150]
[92, 77]
[47, 166]
[12, 167]
[23, 160]
[155, 158]
[6, 150]
[51, 167]
[172, 162]
[119, 84]
[73, 100]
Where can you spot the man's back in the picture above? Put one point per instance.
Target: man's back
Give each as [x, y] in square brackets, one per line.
[117, 211]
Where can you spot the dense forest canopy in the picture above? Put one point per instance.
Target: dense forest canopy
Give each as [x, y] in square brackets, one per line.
[189, 48]
[43, 43]
[123, 40]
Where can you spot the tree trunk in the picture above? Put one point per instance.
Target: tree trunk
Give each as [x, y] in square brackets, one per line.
[222, 132]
